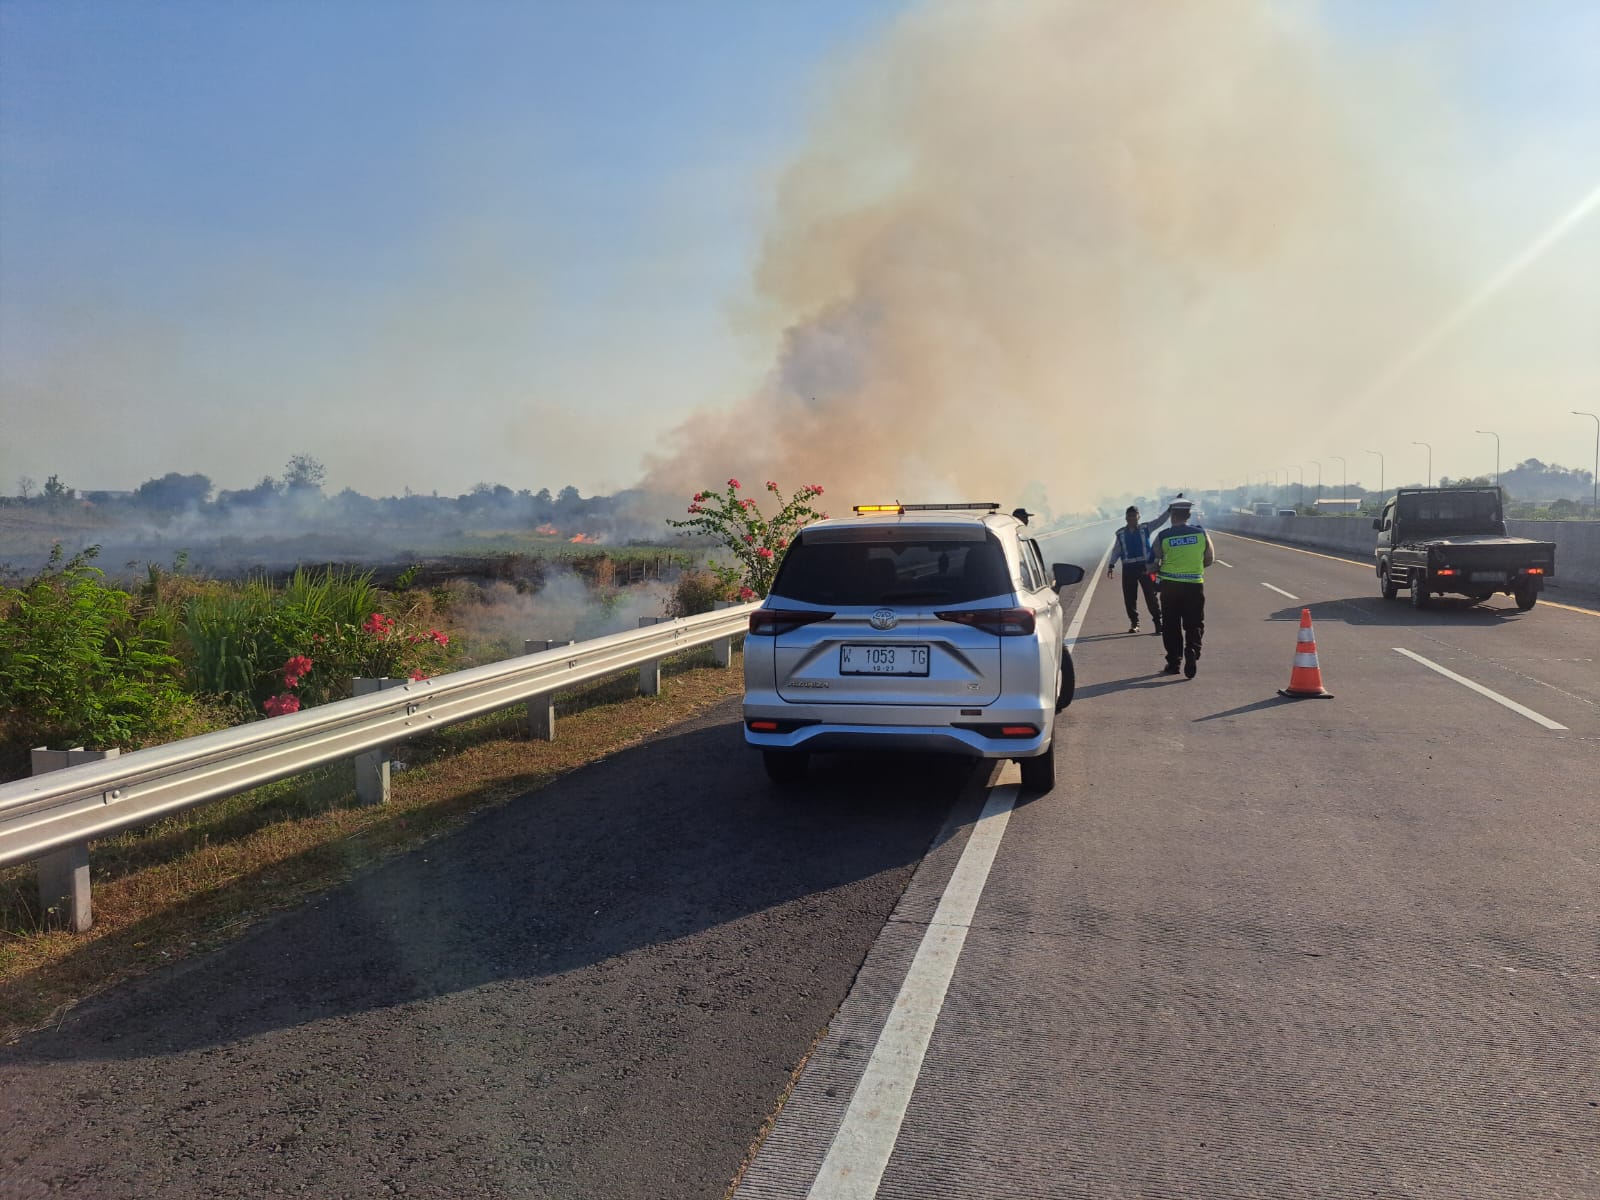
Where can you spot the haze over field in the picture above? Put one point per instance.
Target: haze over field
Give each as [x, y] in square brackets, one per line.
[902, 249]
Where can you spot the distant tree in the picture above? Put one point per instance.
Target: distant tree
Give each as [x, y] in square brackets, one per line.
[56, 493]
[304, 474]
[173, 492]
[264, 493]
[26, 487]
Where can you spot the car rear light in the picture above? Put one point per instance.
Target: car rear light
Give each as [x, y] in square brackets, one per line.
[1445, 571]
[1003, 622]
[995, 730]
[1532, 570]
[770, 622]
[774, 725]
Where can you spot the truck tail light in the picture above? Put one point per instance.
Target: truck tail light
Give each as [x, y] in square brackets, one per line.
[770, 622]
[1532, 571]
[1445, 571]
[1002, 622]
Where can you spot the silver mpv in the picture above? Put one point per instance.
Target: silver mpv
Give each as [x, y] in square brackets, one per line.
[911, 627]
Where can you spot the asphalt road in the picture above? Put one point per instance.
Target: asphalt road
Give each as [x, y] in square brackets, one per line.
[1247, 947]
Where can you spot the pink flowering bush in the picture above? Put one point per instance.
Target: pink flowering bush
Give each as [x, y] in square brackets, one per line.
[379, 645]
[756, 541]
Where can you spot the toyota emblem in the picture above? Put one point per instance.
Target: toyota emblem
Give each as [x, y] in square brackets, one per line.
[884, 618]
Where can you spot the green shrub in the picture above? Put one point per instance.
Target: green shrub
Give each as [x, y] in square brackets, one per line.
[78, 665]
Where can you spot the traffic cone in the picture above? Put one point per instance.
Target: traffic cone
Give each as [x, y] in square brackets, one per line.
[1305, 679]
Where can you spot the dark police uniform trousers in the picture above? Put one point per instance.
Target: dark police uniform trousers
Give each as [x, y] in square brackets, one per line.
[1183, 618]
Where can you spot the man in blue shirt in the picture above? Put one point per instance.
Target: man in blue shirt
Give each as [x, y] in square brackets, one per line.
[1133, 551]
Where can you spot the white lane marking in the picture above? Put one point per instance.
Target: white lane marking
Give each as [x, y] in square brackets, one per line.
[1083, 605]
[1280, 591]
[1537, 718]
[1220, 563]
[860, 1151]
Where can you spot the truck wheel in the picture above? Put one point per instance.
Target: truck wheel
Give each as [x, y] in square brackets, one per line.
[1526, 595]
[1039, 774]
[1069, 681]
[1386, 586]
[1419, 590]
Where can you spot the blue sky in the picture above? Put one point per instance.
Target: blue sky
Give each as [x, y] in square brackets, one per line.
[433, 244]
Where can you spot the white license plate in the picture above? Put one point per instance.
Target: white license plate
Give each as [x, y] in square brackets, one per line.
[883, 660]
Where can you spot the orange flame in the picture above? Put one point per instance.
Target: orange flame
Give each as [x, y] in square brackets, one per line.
[583, 539]
[547, 529]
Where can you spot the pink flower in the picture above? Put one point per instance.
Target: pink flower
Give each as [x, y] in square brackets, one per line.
[439, 636]
[694, 508]
[749, 539]
[295, 669]
[763, 553]
[277, 706]
[783, 543]
[378, 625]
[418, 675]
[734, 484]
[814, 488]
[772, 486]
[747, 594]
[699, 496]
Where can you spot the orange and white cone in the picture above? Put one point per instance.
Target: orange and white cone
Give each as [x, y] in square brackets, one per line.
[1305, 679]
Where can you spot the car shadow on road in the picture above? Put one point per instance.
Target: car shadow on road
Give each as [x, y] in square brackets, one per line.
[654, 844]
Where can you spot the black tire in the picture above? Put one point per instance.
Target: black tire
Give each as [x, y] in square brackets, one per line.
[1419, 591]
[1526, 596]
[1039, 774]
[1069, 681]
[786, 767]
[1386, 587]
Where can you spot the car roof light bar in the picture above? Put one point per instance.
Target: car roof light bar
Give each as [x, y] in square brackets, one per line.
[984, 505]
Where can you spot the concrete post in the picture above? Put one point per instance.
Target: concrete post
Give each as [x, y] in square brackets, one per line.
[650, 672]
[372, 768]
[722, 648]
[542, 708]
[64, 893]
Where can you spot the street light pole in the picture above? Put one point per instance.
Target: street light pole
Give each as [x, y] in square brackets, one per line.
[1318, 465]
[1496, 437]
[1300, 496]
[1382, 491]
[1595, 503]
[1430, 462]
[1344, 473]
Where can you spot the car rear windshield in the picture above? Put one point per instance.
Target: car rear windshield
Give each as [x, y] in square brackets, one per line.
[893, 567]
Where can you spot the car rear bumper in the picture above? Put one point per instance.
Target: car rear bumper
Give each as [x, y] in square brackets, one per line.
[905, 729]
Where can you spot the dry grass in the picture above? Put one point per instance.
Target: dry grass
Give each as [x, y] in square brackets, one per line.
[200, 878]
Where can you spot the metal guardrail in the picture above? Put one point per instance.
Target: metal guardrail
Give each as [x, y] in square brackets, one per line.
[65, 809]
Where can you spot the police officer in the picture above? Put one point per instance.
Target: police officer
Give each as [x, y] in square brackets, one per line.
[1132, 549]
[1182, 555]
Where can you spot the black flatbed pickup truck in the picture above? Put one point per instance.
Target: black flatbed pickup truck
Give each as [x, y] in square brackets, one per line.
[1438, 541]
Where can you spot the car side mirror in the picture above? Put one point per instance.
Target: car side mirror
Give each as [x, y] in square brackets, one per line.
[1066, 574]
[1377, 524]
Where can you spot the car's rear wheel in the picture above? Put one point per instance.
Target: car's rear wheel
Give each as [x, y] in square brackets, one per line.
[1526, 595]
[1039, 774]
[1069, 681]
[1419, 590]
[786, 766]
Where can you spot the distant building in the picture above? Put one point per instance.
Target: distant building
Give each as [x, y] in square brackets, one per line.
[1338, 506]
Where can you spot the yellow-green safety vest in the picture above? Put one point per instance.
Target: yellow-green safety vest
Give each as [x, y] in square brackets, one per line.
[1183, 557]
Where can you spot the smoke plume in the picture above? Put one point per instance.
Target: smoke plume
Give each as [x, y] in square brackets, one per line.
[1078, 242]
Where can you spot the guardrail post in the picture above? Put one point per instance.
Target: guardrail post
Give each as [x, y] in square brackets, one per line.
[722, 648]
[64, 874]
[372, 768]
[542, 708]
[650, 672]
